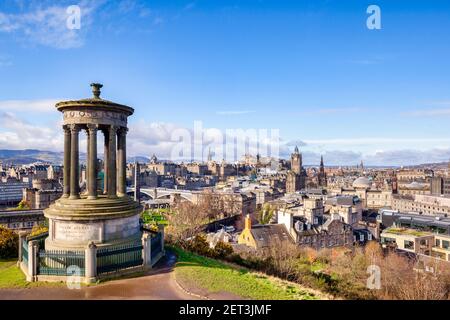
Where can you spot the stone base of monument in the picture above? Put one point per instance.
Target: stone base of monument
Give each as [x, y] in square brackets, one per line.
[104, 221]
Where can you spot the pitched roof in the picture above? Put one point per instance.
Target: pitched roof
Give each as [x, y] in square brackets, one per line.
[264, 234]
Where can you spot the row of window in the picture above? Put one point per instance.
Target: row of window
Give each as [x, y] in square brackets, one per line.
[18, 225]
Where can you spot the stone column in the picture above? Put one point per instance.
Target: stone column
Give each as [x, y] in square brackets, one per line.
[33, 251]
[92, 162]
[91, 263]
[146, 250]
[22, 238]
[122, 162]
[112, 170]
[74, 163]
[88, 139]
[66, 172]
[105, 161]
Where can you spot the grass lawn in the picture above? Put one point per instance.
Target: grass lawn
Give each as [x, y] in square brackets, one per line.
[215, 276]
[11, 277]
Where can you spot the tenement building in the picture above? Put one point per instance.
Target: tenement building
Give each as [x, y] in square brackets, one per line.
[423, 204]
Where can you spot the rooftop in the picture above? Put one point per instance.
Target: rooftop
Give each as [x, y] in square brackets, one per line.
[407, 232]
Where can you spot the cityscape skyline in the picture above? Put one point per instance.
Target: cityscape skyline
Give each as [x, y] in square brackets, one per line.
[311, 69]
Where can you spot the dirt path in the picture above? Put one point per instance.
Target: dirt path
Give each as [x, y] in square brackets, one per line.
[158, 284]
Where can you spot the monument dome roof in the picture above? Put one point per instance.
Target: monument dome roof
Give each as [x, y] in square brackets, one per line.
[362, 182]
[95, 102]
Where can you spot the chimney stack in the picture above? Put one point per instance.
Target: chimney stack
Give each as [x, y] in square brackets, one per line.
[248, 222]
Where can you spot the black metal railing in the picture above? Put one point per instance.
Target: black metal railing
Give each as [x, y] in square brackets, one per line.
[155, 245]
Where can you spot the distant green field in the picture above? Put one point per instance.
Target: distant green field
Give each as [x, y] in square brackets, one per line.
[214, 276]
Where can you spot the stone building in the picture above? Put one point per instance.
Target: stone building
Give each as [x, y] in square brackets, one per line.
[333, 232]
[55, 172]
[196, 168]
[23, 220]
[440, 185]
[348, 208]
[42, 193]
[424, 204]
[296, 177]
[263, 236]
[414, 188]
[226, 170]
[292, 182]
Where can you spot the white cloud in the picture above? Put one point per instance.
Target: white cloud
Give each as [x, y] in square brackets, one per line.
[19, 134]
[47, 26]
[147, 138]
[44, 105]
[375, 140]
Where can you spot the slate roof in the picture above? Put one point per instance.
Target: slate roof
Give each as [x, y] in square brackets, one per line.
[264, 234]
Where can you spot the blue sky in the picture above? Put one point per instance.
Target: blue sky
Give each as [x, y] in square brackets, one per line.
[311, 69]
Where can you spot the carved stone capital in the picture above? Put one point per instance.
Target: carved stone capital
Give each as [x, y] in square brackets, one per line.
[66, 129]
[113, 129]
[92, 128]
[122, 131]
[74, 128]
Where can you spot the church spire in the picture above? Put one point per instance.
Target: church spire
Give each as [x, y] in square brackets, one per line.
[296, 150]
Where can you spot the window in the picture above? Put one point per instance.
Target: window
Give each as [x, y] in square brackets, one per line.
[438, 243]
[369, 236]
[361, 237]
[409, 244]
[445, 244]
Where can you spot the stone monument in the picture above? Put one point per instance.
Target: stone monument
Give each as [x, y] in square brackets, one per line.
[106, 217]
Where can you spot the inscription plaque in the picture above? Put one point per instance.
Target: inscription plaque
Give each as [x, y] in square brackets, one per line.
[77, 232]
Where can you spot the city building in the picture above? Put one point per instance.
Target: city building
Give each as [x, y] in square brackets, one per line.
[42, 193]
[263, 236]
[22, 220]
[11, 191]
[423, 204]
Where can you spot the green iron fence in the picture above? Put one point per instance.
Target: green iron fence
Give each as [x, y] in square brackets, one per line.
[61, 263]
[40, 238]
[119, 257]
[155, 244]
[25, 252]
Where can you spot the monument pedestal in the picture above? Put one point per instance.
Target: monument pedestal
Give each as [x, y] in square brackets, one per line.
[103, 221]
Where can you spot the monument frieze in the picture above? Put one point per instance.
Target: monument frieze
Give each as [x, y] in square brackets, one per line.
[95, 116]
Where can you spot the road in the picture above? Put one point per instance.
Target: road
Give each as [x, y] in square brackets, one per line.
[157, 284]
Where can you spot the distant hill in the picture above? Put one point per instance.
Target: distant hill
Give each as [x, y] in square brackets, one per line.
[28, 156]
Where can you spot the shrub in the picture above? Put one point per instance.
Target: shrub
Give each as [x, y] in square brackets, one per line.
[37, 230]
[199, 245]
[222, 250]
[9, 242]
